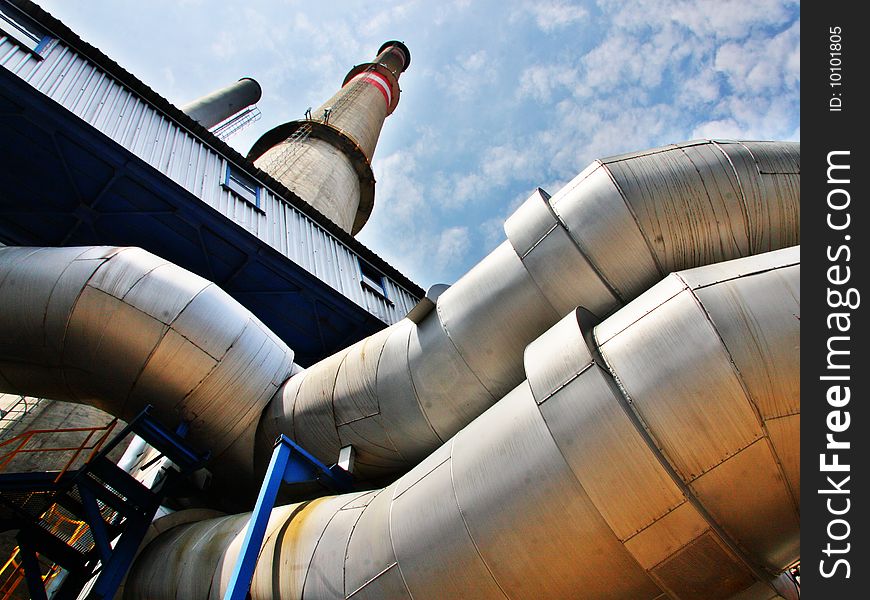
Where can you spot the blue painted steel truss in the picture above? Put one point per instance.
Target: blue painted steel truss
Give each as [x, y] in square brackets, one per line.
[63, 183]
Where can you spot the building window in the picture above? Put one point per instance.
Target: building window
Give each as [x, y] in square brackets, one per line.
[372, 280]
[21, 29]
[242, 185]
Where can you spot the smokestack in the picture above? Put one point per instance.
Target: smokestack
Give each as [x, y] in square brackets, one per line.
[325, 158]
[224, 103]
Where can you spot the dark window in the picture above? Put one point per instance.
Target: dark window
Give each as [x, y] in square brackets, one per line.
[242, 185]
[22, 29]
[372, 279]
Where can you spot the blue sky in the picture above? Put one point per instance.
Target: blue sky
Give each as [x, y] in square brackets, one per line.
[501, 96]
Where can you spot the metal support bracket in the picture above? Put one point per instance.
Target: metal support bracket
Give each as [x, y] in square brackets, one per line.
[290, 463]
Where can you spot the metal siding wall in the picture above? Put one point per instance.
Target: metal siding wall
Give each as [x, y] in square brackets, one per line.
[94, 96]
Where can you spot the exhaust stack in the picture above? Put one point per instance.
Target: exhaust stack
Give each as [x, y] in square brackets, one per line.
[224, 103]
[325, 158]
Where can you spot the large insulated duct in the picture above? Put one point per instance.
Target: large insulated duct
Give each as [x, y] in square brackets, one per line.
[224, 103]
[326, 158]
[654, 456]
[121, 328]
[399, 394]
[616, 229]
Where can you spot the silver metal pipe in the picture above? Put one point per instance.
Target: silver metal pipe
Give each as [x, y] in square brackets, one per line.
[616, 229]
[120, 328]
[655, 455]
[399, 394]
[224, 103]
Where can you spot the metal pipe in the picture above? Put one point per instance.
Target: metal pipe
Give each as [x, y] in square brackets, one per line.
[399, 394]
[121, 328]
[111, 327]
[224, 103]
[620, 226]
[655, 455]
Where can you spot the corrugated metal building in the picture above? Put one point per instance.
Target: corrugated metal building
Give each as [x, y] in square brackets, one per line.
[84, 90]
[91, 155]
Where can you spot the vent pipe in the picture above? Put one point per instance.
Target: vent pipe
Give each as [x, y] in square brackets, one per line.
[619, 227]
[222, 104]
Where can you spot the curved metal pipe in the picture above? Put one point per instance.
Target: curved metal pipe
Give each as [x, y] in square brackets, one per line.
[120, 328]
[657, 453]
[617, 228]
[84, 324]
[111, 327]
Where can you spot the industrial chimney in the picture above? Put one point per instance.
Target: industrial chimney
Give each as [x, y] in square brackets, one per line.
[325, 158]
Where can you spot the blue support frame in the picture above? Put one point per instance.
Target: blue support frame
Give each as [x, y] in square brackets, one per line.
[32, 576]
[96, 524]
[290, 463]
[115, 568]
[136, 506]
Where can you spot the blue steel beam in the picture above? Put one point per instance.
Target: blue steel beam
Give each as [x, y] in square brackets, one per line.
[95, 521]
[115, 568]
[290, 463]
[32, 574]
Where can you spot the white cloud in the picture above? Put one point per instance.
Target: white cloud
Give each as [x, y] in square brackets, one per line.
[400, 194]
[466, 77]
[225, 44]
[555, 14]
[659, 74]
[761, 65]
[539, 82]
[712, 19]
[453, 245]
[730, 18]
[701, 88]
[727, 129]
[381, 20]
[466, 187]
[498, 168]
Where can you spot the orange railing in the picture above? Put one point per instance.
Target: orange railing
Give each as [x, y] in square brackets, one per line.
[23, 439]
[12, 572]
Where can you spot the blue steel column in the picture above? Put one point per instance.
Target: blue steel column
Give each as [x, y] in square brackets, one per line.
[240, 581]
[292, 464]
